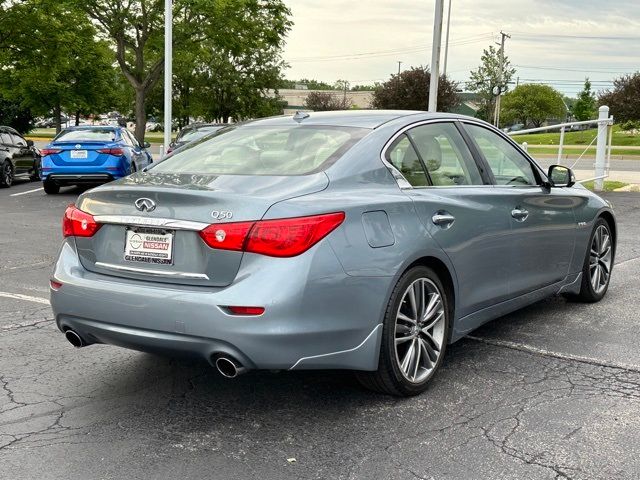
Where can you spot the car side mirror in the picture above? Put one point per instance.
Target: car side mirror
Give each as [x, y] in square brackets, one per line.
[561, 176]
[29, 143]
[147, 145]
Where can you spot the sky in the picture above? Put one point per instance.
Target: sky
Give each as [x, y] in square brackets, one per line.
[554, 42]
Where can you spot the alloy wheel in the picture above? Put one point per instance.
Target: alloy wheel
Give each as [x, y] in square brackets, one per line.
[419, 330]
[7, 174]
[600, 258]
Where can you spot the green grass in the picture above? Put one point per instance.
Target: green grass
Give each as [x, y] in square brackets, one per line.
[583, 137]
[577, 151]
[48, 133]
[609, 185]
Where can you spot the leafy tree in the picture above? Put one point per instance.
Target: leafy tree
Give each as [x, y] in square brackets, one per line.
[327, 101]
[624, 99]
[410, 91]
[311, 84]
[363, 88]
[585, 106]
[533, 104]
[13, 114]
[490, 73]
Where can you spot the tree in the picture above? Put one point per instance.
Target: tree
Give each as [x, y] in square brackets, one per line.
[533, 104]
[13, 114]
[326, 101]
[492, 71]
[410, 91]
[624, 100]
[584, 107]
[310, 84]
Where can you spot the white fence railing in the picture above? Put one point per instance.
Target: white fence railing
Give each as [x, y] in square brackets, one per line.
[603, 143]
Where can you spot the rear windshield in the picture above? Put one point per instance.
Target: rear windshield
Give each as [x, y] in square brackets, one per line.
[256, 150]
[199, 133]
[97, 134]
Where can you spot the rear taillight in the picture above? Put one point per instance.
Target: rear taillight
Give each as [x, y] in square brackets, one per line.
[49, 151]
[284, 237]
[76, 223]
[116, 152]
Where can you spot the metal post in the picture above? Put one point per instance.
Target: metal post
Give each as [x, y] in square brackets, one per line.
[168, 54]
[601, 147]
[561, 145]
[446, 41]
[435, 56]
[525, 146]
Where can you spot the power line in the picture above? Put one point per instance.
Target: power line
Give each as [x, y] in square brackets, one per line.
[560, 69]
[577, 37]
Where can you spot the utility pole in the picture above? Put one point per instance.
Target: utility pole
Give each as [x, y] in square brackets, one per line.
[501, 79]
[435, 56]
[168, 54]
[446, 42]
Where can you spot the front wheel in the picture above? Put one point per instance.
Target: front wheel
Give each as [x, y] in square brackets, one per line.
[414, 337]
[598, 263]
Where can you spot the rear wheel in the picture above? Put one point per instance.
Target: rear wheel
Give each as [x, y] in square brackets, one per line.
[50, 188]
[414, 338]
[35, 175]
[6, 174]
[598, 262]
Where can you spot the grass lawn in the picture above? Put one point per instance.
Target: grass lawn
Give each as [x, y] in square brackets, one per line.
[582, 137]
[577, 151]
[609, 185]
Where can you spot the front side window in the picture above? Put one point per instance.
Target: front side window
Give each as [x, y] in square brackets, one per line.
[445, 155]
[264, 150]
[18, 140]
[403, 156]
[509, 166]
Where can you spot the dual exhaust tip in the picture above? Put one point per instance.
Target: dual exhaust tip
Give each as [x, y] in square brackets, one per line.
[227, 366]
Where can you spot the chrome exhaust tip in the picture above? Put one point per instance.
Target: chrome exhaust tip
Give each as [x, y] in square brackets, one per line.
[229, 368]
[74, 339]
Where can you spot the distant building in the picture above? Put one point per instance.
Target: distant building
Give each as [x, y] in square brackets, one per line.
[295, 98]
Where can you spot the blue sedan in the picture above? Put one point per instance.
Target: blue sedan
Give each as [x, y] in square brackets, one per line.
[91, 155]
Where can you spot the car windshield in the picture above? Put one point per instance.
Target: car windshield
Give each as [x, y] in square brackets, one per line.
[199, 133]
[258, 150]
[88, 135]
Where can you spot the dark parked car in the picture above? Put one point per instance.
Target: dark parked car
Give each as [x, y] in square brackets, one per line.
[194, 132]
[18, 157]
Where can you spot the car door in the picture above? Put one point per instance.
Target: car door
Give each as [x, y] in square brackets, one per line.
[457, 205]
[542, 218]
[22, 155]
[6, 147]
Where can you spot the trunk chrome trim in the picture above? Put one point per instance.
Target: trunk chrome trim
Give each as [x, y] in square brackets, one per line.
[155, 273]
[151, 222]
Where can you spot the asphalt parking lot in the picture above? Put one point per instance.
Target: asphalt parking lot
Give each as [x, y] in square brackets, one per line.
[552, 391]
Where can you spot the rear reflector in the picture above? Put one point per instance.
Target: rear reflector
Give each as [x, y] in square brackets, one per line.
[49, 151]
[76, 223]
[249, 311]
[116, 152]
[284, 237]
[55, 285]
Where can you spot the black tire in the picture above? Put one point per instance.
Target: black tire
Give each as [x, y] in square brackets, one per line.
[35, 176]
[6, 174]
[588, 293]
[50, 188]
[388, 378]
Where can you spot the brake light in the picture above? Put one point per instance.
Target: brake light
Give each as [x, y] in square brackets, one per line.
[116, 152]
[76, 223]
[284, 237]
[49, 151]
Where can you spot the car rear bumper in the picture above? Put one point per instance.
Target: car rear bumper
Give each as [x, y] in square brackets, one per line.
[316, 316]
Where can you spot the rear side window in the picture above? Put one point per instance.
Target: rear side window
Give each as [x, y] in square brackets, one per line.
[268, 150]
[403, 156]
[508, 165]
[93, 135]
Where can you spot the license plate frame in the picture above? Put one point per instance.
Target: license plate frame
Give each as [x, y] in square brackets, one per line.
[79, 154]
[145, 245]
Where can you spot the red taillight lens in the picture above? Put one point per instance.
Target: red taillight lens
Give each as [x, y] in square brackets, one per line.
[49, 151]
[55, 285]
[76, 223]
[116, 152]
[285, 237]
[249, 311]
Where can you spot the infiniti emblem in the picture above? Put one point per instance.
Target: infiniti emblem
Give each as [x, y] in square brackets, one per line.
[145, 205]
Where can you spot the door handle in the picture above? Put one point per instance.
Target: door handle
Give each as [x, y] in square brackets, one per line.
[520, 214]
[443, 219]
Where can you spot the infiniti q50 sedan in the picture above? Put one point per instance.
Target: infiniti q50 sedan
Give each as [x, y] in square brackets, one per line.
[366, 241]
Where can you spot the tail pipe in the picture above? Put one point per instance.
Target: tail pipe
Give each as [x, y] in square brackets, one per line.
[74, 339]
[229, 367]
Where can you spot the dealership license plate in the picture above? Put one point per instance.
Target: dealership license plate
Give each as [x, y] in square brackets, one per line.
[149, 245]
[78, 154]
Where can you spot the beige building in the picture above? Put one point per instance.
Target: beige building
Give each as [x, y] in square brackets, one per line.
[295, 98]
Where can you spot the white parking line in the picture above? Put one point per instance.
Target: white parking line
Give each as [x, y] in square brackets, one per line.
[28, 298]
[28, 191]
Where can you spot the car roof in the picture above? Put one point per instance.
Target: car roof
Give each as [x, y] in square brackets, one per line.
[93, 127]
[350, 118]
